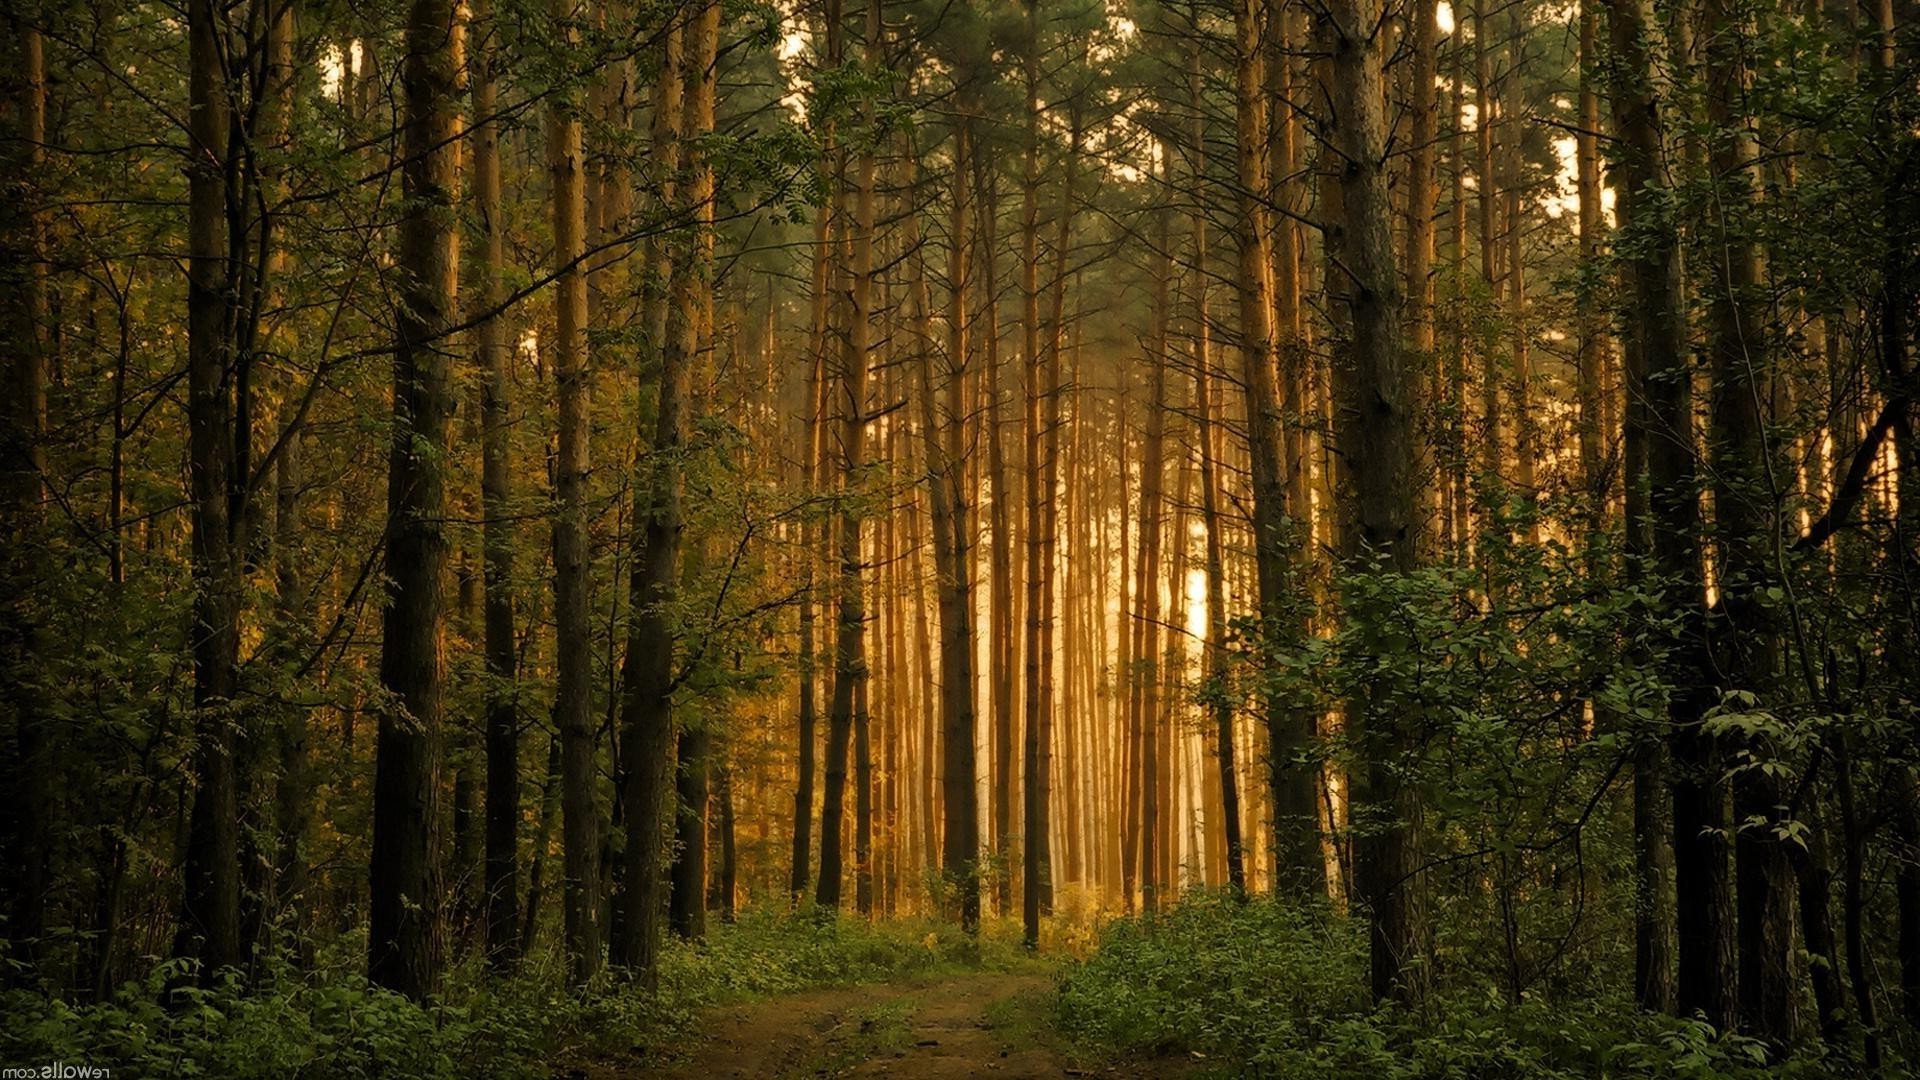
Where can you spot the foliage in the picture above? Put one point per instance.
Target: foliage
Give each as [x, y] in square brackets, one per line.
[1265, 989]
[331, 1023]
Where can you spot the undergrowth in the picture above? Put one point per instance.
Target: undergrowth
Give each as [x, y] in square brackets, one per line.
[328, 1022]
[1266, 990]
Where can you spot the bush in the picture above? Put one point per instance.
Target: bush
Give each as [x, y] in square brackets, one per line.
[1263, 989]
[331, 1023]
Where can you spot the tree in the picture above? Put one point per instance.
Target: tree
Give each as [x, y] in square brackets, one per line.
[404, 892]
[1375, 394]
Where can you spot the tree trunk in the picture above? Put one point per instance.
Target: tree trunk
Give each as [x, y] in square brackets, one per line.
[1656, 341]
[946, 463]
[1144, 668]
[646, 693]
[502, 811]
[210, 925]
[23, 433]
[1741, 633]
[815, 451]
[1300, 871]
[402, 880]
[693, 303]
[1375, 395]
[572, 705]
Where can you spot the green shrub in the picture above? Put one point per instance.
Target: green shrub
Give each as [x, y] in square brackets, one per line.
[330, 1023]
[1263, 989]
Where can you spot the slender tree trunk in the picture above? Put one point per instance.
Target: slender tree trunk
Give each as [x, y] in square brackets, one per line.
[502, 812]
[1591, 359]
[210, 924]
[1656, 344]
[1525, 425]
[1484, 118]
[646, 705]
[946, 467]
[693, 300]
[1005, 638]
[1300, 871]
[1144, 670]
[23, 433]
[572, 706]
[850, 648]
[815, 424]
[402, 879]
[1217, 692]
[1741, 632]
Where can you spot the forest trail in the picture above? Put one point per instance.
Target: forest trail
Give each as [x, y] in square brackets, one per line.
[936, 1026]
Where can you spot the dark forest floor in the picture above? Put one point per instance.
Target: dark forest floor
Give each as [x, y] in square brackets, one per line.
[993, 1024]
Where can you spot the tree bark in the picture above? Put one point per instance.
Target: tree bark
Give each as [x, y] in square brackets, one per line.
[1655, 340]
[1375, 396]
[210, 925]
[693, 304]
[502, 805]
[646, 693]
[402, 879]
[572, 705]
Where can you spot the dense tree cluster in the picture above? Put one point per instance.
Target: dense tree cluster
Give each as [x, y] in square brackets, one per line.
[1453, 464]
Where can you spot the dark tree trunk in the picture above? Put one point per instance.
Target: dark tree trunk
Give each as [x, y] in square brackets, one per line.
[1376, 395]
[1655, 339]
[646, 704]
[502, 737]
[402, 880]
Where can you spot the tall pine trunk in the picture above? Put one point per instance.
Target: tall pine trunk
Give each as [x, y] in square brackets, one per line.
[402, 881]
[646, 703]
[1375, 394]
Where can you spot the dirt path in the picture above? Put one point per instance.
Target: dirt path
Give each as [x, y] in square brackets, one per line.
[988, 1024]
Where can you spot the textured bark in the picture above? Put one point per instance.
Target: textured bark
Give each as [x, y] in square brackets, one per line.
[943, 430]
[23, 433]
[1526, 428]
[1143, 667]
[572, 705]
[1744, 641]
[808, 717]
[1485, 116]
[1277, 512]
[1041, 416]
[1217, 690]
[1655, 340]
[843, 690]
[495, 353]
[210, 923]
[693, 303]
[646, 701]
[1591, 360]
[1423, 152]
[1375, 395]
[402, 880]
[1004, 636]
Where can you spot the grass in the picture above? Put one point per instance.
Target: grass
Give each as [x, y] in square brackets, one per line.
[329, 1022]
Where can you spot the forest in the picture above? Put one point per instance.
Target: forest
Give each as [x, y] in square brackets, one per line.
[695, 538]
